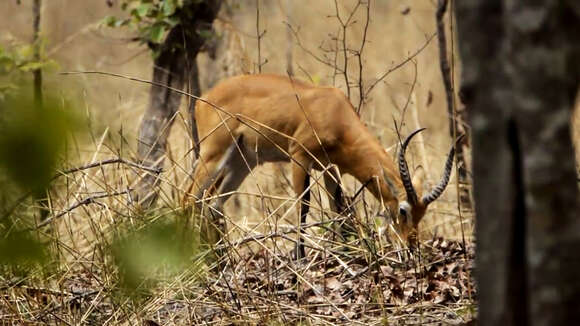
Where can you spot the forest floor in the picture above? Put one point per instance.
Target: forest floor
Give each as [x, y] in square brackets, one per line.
[256, 282]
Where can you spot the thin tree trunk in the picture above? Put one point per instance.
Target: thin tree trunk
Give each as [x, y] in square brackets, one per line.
[163, 105]
[36, 12]
[194, 88]
[456, 117]
[41, 194]
[520, 77]
[174, 57]
[289, 39]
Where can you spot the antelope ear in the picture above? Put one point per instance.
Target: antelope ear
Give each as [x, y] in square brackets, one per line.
[418, 179]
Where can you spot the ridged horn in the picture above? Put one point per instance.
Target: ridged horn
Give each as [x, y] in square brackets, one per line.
[404, 169]
[438, 190]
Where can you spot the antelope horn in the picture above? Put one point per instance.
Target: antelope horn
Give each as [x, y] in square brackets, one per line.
[438, 190]
[404, 169]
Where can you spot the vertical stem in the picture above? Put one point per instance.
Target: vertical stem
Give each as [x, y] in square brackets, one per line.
[36, 12]
[360, 62]
[345, 67]
[335, 59]
[259, 35]
[289, 66]
[41, 194]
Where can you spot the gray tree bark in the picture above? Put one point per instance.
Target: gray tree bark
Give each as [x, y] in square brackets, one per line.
[174, 65]
[521, 72]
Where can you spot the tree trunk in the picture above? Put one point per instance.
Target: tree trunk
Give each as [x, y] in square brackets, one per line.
[173, 66]
[456, 117]
[195, 89]
[520, 77]
[40, 194]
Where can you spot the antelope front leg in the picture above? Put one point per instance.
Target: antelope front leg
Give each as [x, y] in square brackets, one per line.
[338, 203]
[209, 176]
[205, 177]
[301, 183]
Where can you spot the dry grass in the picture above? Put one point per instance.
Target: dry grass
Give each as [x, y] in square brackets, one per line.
[83, 286]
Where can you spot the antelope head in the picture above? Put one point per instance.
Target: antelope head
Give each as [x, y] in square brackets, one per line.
[412, 204]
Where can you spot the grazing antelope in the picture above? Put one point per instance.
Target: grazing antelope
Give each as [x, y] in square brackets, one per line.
[252, 119]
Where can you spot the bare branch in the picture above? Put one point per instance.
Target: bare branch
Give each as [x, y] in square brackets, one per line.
[86, 201]
[309, 52]
[400, 64]
[360, 62]
[343, 26]
[410, 95]
[106, 162]
[259, 35]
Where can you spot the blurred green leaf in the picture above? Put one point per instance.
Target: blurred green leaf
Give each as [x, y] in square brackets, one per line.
[49, 65]
[24, 51]
[109, 21]
[30, 66]
[157, 33]
[5, 88]
[143, 9]
[6, 64]
[112, 21]
[135, 18]
[159, 249]
[32, 137]
[17, 59]
[21, 250]
[171, 21]
[122, 22]
[169, 7]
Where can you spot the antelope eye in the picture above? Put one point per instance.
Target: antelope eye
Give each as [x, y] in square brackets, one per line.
[403, 212]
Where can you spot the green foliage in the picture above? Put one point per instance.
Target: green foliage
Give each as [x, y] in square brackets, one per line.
[32, 137]
[20, 250]
[17, 61]
[151, 19]
[158, 250]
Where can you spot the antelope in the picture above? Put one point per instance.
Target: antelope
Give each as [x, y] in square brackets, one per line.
[248, 120]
